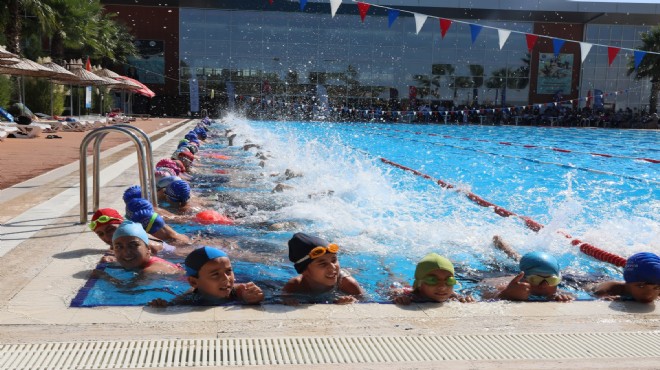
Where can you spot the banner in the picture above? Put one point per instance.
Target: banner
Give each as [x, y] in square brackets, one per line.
[231, 96]
[555, 74]
[194, 95]
[599, 103]
[88, 97]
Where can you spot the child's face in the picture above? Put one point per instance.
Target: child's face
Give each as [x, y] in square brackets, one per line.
[439, 292]
[543, 289]
[215, 278]
[131, 252]
[323, 270]
[105, 232]
[644, 292]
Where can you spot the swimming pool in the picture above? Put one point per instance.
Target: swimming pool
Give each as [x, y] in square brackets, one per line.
[386, 219]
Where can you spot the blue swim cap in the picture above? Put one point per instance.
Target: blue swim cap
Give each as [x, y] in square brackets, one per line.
[197, 258]
[151, 221]
[133, 192]
[178, 191]
[130, 228]
[642, 268]
[539, 263]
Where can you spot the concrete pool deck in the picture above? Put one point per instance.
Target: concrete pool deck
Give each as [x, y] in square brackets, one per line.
[46, 256]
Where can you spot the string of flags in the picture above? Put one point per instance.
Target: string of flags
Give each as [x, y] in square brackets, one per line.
[475, 29]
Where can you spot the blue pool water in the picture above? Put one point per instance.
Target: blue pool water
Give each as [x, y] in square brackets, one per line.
[385, 219]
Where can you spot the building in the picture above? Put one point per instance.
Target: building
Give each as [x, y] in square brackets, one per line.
[261, 50]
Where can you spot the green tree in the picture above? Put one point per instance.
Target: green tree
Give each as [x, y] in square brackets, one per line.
[497, 81]
[650, 65]
[13, 14]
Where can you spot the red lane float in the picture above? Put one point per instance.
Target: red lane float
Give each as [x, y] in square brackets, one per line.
[222, 172]
[217, 156]
[210, 216]
[586, 248]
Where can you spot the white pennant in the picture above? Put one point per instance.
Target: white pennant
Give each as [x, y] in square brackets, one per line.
[585, 47]
[419, 21]
[334, 5]
[504, 35]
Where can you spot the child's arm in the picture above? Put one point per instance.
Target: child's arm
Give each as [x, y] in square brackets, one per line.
[516, 290]
[290, 288]
[402, 296]
[609, 290]
[351, 287]
[249, 293]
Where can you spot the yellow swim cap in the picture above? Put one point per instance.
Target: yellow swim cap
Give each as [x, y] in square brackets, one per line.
[430, 262]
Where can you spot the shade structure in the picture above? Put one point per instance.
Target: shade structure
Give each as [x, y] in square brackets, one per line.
[61, 73]
[104, 72]
[144, 90]
[26, 67]
[87, 78]
[8, 61]
[5, 54]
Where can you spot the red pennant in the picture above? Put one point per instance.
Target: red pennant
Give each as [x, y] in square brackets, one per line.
[531, 41]
[271, 2]
[612, 52]
[444, 26]
[363, 8]
[88, 65]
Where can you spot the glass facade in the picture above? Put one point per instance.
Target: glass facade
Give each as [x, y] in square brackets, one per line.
[597, 75]
[287, 54]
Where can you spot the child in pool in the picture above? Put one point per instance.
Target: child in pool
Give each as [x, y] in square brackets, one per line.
[541, 275]
[211, 277]
[434, 282]
[130, 245]
[641, 280]
[316, 261]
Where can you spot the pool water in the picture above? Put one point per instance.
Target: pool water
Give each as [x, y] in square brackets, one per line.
[385, 219]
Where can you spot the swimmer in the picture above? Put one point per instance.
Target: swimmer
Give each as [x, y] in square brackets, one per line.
[212, 282]
[279, 188]
[320, 274]
[142, 212]
[641, 280]
[434, 282]
[130, 244]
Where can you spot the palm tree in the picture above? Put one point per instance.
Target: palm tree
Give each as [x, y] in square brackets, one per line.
[650, 65]
[13, 15]
[497, 81]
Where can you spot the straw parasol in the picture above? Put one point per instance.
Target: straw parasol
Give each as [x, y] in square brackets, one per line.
[5, 54]
[61, 73]
[26, 67]
[8, 61]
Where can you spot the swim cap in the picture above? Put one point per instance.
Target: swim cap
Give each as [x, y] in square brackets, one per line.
[138, 204]
[182, 167]
[183, 141]
[539, 263]
[110, 212]
[431, 262]
[192, 148]
[130, 228]
[169, 164]
[163, 172]
[186, 155]
[178, 191]
[197, 258]
[163, 182]
[642, 268]
[151, 221]
[133, 192]
[300, 245]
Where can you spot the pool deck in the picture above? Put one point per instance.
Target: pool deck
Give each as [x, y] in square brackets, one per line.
[46, 256]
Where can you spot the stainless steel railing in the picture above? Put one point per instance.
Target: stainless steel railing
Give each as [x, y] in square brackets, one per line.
[145, 164]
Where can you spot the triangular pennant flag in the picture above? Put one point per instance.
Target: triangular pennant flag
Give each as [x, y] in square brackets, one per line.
[531, 40]
[270, 1]
[88, 65]
[302, 4]
[639, 55]
[474, 31]
[334, 5]
[585, 47]
[363, 8]
[392, 15]
[504, 35]
[419, 21]
[444, 26]
[612, 53]
[557, 45]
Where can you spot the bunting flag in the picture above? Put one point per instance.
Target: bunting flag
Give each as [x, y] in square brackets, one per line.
[503, 35]
[419, 21]
[444, 26]
[639, 55]
[474, 31]
[88, 65]
[302, 4]
[531, 41]
[270, 1]
[585, 47]
[557, 44]
[392, 15]
[612, 53]
[334, 5]
[363, 8]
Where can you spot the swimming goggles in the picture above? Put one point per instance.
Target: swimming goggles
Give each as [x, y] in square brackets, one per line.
[319, 251]
[101, 220]
[535, 280]
[433, 280]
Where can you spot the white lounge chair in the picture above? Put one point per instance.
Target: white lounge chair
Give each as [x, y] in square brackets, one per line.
[27, 131]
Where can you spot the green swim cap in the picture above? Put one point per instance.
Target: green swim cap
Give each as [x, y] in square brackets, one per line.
[430, 262]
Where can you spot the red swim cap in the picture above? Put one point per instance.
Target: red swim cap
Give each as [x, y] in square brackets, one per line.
[110, 212]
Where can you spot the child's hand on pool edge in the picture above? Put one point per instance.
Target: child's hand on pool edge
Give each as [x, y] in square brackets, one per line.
[158, 303]
[345, 299]
[250, 293]
[463, 298]
[563, 297]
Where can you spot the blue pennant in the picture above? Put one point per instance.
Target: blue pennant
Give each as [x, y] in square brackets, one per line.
[475, 29]
[557, 44]
[302, 4]
[639, 55]
[392, 15]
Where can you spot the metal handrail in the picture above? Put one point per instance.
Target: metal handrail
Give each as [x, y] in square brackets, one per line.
[147, 181]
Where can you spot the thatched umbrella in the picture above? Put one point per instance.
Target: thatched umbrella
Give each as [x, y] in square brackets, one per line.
[5, 54]
[62, 76]
[25, 67]
[8, 61]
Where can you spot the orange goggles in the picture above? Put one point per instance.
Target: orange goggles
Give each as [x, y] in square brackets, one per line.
[319, 251]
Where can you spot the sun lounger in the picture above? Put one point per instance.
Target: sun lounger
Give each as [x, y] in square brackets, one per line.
[6, 131]
[27, 131]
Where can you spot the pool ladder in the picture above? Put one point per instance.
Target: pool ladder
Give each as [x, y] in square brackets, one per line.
[145, 164]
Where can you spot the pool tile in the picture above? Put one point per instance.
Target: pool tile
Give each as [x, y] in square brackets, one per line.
[320, 311]
[176, 313]
[375, 310]
[258, 312]
[106, 315]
